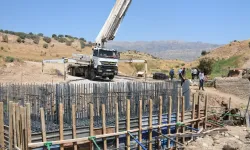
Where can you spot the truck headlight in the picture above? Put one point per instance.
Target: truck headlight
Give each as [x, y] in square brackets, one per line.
[99, 68]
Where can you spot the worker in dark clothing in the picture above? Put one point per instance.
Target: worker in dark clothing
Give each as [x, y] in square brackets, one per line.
[171, 73]
[182, 76]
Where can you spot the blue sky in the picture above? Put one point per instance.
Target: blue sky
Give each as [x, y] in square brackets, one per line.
[213, 21]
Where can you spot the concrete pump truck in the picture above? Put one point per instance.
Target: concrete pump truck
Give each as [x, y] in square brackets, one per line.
[103, 62]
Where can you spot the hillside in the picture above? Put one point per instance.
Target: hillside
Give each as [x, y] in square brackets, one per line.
[239, 50]
[186, 51]
[29, 51]
[234, 55]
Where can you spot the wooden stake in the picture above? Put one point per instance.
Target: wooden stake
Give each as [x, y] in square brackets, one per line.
[140, 123]
[104, 126]
[91, 124]
[10, 127]
[177, 118]
[117, 124]
[160, 121]
[28, 122]
[74, 125]
[1, 125]
[22, 128]
[198, 112]
[205, 112]
[169, 118]
[43, 125]
[195, 99]
[150, 125]
[61, 124]
[18, 125]
[128, 125]
[14, 123]
[183, 117]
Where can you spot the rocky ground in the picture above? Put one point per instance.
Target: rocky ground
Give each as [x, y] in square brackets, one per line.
[233, 139]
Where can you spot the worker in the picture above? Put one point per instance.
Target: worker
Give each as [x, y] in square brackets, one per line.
[195, 72]
[182, 76]
[171, 73]
[201, 79]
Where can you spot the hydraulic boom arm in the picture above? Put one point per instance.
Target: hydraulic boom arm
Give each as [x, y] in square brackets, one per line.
[113, 22]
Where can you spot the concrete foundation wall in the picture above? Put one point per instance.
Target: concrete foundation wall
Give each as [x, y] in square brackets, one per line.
[234, 85]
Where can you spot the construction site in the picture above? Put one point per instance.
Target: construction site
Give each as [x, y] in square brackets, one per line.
[99, 98]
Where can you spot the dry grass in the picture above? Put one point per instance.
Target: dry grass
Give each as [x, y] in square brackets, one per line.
[35, 52]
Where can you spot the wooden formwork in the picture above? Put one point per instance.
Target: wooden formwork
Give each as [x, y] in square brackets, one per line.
[20, 126]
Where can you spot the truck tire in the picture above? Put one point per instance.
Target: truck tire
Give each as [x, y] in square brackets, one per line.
[111, 77]
[92, 74]
[86, 74]
[73, 71]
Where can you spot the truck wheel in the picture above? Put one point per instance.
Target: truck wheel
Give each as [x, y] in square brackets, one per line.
[92, 75]
[111, 77]
[73, 71]
[86, 74]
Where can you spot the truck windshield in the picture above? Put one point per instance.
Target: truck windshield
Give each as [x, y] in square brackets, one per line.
[108, 54]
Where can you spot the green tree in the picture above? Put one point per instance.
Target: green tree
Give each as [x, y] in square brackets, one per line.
[82, 39]
[203, 53]
[5, 38]
[205, 65]
[47, 39]
[40, 34]
[54, 35]
[60, 36]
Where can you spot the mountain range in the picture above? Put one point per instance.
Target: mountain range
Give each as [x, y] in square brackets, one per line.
[186, 51]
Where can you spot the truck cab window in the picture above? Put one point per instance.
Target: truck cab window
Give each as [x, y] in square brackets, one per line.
[95, 53]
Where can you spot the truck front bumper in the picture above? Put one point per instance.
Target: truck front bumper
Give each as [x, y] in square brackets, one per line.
[107, 70]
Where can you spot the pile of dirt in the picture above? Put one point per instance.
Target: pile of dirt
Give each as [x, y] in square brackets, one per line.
[234, 138]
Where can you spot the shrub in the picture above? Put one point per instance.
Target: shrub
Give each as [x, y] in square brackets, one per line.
[249, 44]
[21, 35]
[40, 34]
[36, 40]
[82, 44]
[45, 45]
[235, 40]
[69, 36]
[203, 53]
[69, 43]
[47, 39]
[31, 33]
[9, 59]
[62, 40]
[19, 40]
[54, 35]
[205, 65]
[23, 41]
[1, 30]
[60, 36]
[5, 38]
[2, 48]
[177, 66]
[82, 39]
[182, 64]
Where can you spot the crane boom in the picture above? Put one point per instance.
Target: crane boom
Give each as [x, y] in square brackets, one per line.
[113, 22]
